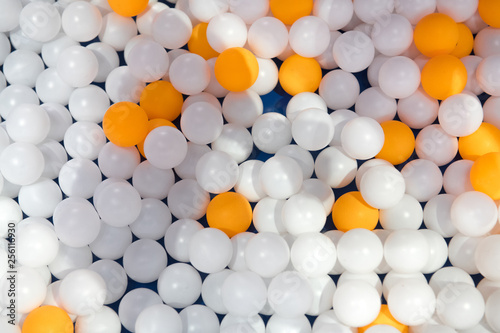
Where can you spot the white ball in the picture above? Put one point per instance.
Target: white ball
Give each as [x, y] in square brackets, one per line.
[271, 131]
[474, 213]
[460, 114]
[302, 101]
[290, 294]
[340, 118]
[171, 28]
[22, 154]
[267, 79]
[40, 198]
[248, 183]
[117, 30]
[487, 252]
[118, 162]
[406, 214]
[211, 291]
[84, 140]
[226, 30]
[382, 186]
[53, 48]
[81, 21]
[204, 10]
[459, 11]
[374, 69]
[399, 77]
[158, 318]
[51, 88]
[281, 177]
[471, 63]
[210, 250]
[392, 35]
[107, 58]
[82, 292]
[69, 259]
[79, 177]
[301, 40]
[359, 251]
[485, 43]
[414, 10]
[267, 215]
[418, 110]
[461, 252]
[14, 95]
[32, 237]
[437, 215]
[423, 179]
[40, 21]
[242, 108]
[372, 12]
[105, 319]
[199, 318]
[336, 14]
[244, 293]
[133, 303]
[249, 11]
[339, 89]
[438, 251]
[22, 67]
[165, 147]
[335, 158]
[302, 156]
[148, 61]
[303, 213]
[77, 66]
[491, 309]
[376, 104]
[187, 168]
[217, 172]
[115, 277]
[411, 302]
[313, 254]
[353, 51]
[28, 123]
[362, 138]
[456, 178]
[187, 199]
[153, 221]
[239, 241]
[88, 103]
[201, 123]
[406, 251]
[145, 19]
[321, 190]
[272, 248]
[312, 129]
[434, 144]
[144, 260]
[485, 72]
[267, 37]
[179, 285]
[356, 303]
[178, 237]
[31, 289]
[10, 16]
[189, 74]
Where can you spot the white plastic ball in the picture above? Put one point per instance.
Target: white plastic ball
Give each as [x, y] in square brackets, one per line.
[171, 28]
[148, 61]
[485, 73]
[28, 123]
[158, 318]
[326, 60]
[165, 147]
[239, 241]
[434, 144]
[362, 138]
[423, 179]
[336, 14]
[406, 214]
[356, 303]
[40, 198]
[51, 88]
[248, 183]
[187, 168]
[187, 199]
[77, 66]
[79, 177]
[460, 115]
[214, 88]
[312, 129]
[199, 318]
[145, 19]
[235, 140]
[20, 41]
[40, 21]
[399, 77]
[406, 251]
[271, 131]
[10, 16]
[210, 250]
[289, 294]
[267, 37]
[375, 104]
[211, 291]
[392, 35]
[281, 177]
[217, 172]
[461, 252]
[301, 40]
[84, 140]
[82, 21]
[54, 155]
[418, 110]
[88, 103]
[133, 303]
[471, 62]
[411, 302]
[303, 213]
[382, 186]
[69, 259]
[339, 89]
[82, 292]
[31, 289]
[267, 79]
[115, 277]
[14, 95]
[353, 51]
[22, 67]
[302, 156]
[474, 213]
[117, 30]
[487, 253]
[359, 251]
[459, 11]
[244, 293]
[51, 49]
[144, 260]
[107, 58]
[242, 108]
[118, 162]
[438, 251]
[153, 221]
[103, 320]
[414, 10]
[226, 30]
[32, 237]
[205, 10]
[321, 190]
[178, 236]
[374, 69]
[201, 97]
[335, 158]
[313, 254]
[21, 163]
[179, 285]
[249, 11]
[267, 215]
[189, 74]
[437, 215]
[201, 123]
[270, 246]
[302, 101]
[491, 309]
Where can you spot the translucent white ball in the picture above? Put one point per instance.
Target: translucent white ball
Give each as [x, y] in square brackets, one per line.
[217, 172]
[21, 163]
[117, 30]
[51, 50]
[382, 186]
[461, 252]
[485, 73]
[199, 318]
[336, 14]
[189, 74]
[22, 67]
[460, 115]
[210, 250]
[118, 162]
[267, 79]
[399, 77]
[301, 37]
[171, 28]
[211, 291]
[290, 294]
[179, 285]
[14, 95]
[471, 63]
[392, 35]
[267, 37]
[356, 303]
[490, 111]
[145, 19]
[423, 179]
[249, 11]
[107, 58]
[31, 289]
[303, 157]
[335, 158]
[201, 123]
[244, 293]
[303, 213]
[69, 259]
[312, 129]
[313, 254]
[438, 249]
[406, 251]
[437, 215]
[359, 251]
[339, 89]
[51, 88]
[40, 198]
[165, 147]
[40, 21]
[406, 214]
[133, 303]
[434, 144]
[226, 30]
[144, 260]
[153, 221]
[187, 199]
[84, 139]
[79, 177]
[270, 246]
[487, 252]
[81, 21]
[418, 110]
[214, 88]
[204, 10]
[267, 215]
[34, 236]
[28, 123]
[88, 103]
[201, 97]
[178, 237]
[187, 168]
[376, 104]
[82, 292]
[459, 11]
[353, 51]
[271, 131]
[77, 66]
[362, 138]
[235, 140]
[105, 318]
[148, 61]
[474, 213]
[411, 302]
[158, 318]
[491, 309]
[415, 10]
[281, 177]
[302, 101]
[115, 277]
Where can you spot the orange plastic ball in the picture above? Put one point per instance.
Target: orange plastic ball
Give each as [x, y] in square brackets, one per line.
[444, 76]
[236, 69]
[161, 100]
[436, 34]
[128, 8]
[125, 124]
[152, 124]
[298, 74]
[489, 10]
[385, 318]
[399, 142]
[198, 42]
[289, 11]
[486, 139]
[484, 175]
[351, 211]
[465, 42]
[48, 319]
[230, 212]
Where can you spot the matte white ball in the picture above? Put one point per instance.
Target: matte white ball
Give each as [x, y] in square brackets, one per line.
[40, 198]
[201, 123]
[179, 285]
[248, 183]
[335, 158]
[40, 21]
[356, 303]
[392, 35]
[82, 292]
[103, 320]
[437, 215]
[117, 30]
[423, 179]
[133, 303]
[189, 74]
[362, 138]
[115, 277]
[199, 318]
[107, 58]
[22, 154]
[474, 213]
[412, 302]
[22, 67]
[211, 290]
[312, 129]
[336, 14]
[271, 131]
[187, 199]
[242, 108]
[303, 213]
[301, 32]
[434, 144]
[359, 251]
[210, 250]
[82, 21]
[313, 254]
[267, 37]
[376, 104]
[353, 51]
[217, 172]
[272, 248]
[158, 318]
[339, 89]
[399, 77]
[171, 28]
[289, 294]
[418, 110]
[32, 237]
[406, 214]
[148, 61]
[226, 30]
[244, 293]
[302, 101]
[77, 66]
[281, 177]
[165, 147]
[487, 252]
[382, 186]
[406, 251]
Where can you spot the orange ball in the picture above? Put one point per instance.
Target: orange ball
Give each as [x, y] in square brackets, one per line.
[125, 124]
[436, 34]
[299, 74]
[289, 11]
[128, 8]
[486, 139]
[198, 42]
[161, 100]
[465, 42]
[48, 319]
[351, 211]
[230, 212]
[489, 10]
[152, 124]
[236, 69]
[484, 175]
[385, 318]
[444, 76]
[399, 142]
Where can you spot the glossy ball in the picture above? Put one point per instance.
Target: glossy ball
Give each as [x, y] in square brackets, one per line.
[357, 303]
[303, 213]
[351, 211]
[406, 251]
[362, 138]
[474, 222]
[411, 302]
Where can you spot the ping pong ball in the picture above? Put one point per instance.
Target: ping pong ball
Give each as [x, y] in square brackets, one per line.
[33, 236]
[133, 303]
[486, 255]
[474, 222]
[299, 74]
[210, 250]
[217, 172]
[434, 144]
[81, 21]
[235, 140]
[40, 21]
[382, 186]
[160, 100]
[301, 40]
[290, 294]
[393, 36]
[144, 260]
[115, 277]
[107, 59]
[226, 30]
[188, 193]
[148, 61]
[48, 318]
[443, 76]
[313, 254]
[21, 163]
[356, 303]
[336, 14]
[290, 11]
[267, 254]
[482, 174]
[198, 42]
[399, 77]
[22, 67]
[486, 71]
[125, 124]
[411, 302]
[267, 37]
[281, 177]
[244, 293]
[351, 211]
[489, 10]
[128, 8]
[486, 139]
[267, 78]
[158, 318]
[187, 168]
[341, 84]
[236, 69]
[399, 142]
[77, 66]
[229, 212]
[28, 123]
[312, 129]
[189, 74]
[353, 51]
[303, 213]
[201, 123]
[460, 114]
[171, 28]
[359, 251]
[375, 104]
[362, 138]
[436, 34]
[406, 251]
[465, 42]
